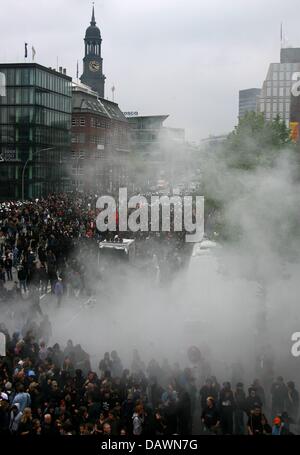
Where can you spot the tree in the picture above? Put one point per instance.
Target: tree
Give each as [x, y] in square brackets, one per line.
[254, 145]
[256, 142]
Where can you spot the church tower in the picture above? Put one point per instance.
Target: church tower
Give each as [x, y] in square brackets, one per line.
[93, 63]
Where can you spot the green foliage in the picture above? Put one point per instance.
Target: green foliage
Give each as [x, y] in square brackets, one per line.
[256, 142]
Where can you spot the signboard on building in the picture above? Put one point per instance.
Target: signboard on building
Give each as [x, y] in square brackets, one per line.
[131, 114]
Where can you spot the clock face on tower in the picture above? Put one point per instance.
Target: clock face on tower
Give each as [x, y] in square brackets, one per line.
[94, 66]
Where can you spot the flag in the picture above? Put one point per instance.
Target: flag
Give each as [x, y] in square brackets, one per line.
[77, 70]
[281, 33]
[33, 53]
[26, 52]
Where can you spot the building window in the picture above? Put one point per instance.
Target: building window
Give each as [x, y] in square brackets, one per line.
[73, 121]
[269, 91]
[275, 76]
[82, 121]
[81, 154]
[281, 91]
[281, 76]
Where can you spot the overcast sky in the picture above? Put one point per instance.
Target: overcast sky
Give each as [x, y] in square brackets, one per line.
[185, 58]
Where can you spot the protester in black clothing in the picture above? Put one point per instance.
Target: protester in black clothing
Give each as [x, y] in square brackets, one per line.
[210, 417]
[208, 390]
[240, 406]
[226, 406]
[257, 423]
[279, 394]
[4, 414]
[184, 410]
[292, 402]
[259, 391]
[252, 401]
[26, 426]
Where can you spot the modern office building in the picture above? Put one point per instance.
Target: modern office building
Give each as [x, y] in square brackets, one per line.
[275, 98]
[35, 129]
[248, 101]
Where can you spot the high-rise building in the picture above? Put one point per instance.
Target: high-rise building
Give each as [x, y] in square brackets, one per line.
[35, 129]
[248, 101]
[93, 62]
[275, 98]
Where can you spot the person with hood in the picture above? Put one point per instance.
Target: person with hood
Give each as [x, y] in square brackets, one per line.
[15, 418]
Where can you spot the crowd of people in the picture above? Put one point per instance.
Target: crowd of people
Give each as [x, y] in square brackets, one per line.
[42, 244]
[48, 390]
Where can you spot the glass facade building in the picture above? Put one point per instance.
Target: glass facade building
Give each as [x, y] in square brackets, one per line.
[275, 99]
[248, 101]
[35, 115]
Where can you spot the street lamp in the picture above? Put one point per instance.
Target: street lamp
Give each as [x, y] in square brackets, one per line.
[25, 165]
